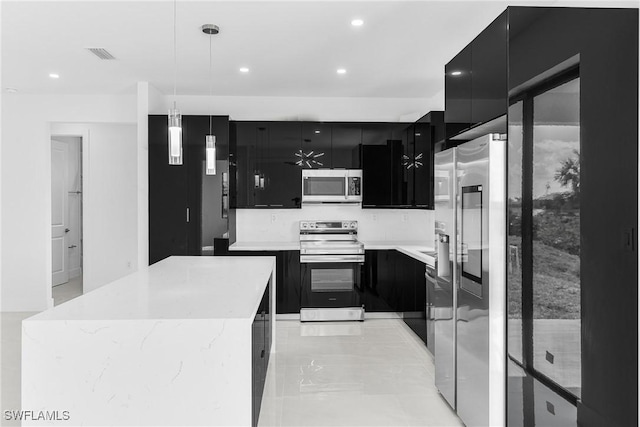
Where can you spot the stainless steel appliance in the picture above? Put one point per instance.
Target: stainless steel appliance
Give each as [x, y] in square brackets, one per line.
[331, 260]
[469, 301]
[430, 276]
[332, 186]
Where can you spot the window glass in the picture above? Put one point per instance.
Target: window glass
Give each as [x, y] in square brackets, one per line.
[514, 231]
[556, 235]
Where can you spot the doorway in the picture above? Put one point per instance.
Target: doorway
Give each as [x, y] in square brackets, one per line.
[66, 217]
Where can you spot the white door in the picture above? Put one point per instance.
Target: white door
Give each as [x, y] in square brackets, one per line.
[59, 216]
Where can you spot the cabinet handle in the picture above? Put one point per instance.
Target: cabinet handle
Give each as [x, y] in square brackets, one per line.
[187, 214]
[262, 354]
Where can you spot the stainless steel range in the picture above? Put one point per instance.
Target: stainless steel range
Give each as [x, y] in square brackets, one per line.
[331, 260]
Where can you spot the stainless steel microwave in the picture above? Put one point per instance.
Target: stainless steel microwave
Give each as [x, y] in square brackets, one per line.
[331, 186]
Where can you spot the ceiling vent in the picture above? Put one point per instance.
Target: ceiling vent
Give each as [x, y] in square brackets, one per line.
[100, 52]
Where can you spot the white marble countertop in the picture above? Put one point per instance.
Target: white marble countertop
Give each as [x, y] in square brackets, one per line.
[189, 287]
[265, 246]
[412, 248]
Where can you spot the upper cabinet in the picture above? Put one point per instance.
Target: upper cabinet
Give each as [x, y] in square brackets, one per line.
[315, 146]
[427, 131]
[264, 167]
[457, 82]
[266, 160]
[281, 176]
[345, 142]
[476, 81]
[489, 72]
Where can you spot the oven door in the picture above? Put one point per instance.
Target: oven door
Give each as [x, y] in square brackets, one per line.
[331, 284]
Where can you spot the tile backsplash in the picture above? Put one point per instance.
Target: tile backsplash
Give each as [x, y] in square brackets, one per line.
[282, 225]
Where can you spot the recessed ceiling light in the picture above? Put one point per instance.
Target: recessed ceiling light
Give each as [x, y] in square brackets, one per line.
[456, 73]
[341, 71]
[357, 22]
[244, 70]
[316, 131]
[54, 76]
[11, 90]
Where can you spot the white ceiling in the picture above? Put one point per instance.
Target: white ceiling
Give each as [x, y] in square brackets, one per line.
[292, 48]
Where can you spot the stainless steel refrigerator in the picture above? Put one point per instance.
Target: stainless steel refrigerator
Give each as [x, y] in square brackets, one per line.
[469, 306]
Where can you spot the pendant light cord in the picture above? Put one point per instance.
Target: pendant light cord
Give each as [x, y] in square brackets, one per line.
[175, 53]
[210, 84]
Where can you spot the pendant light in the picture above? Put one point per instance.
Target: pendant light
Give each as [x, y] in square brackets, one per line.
[210, 140]
[175, 118]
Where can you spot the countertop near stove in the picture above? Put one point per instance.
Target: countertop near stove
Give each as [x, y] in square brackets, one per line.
[412, 248]
[265, 246]
[170, 344]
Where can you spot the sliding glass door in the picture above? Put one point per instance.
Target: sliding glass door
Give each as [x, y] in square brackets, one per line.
[544, 234]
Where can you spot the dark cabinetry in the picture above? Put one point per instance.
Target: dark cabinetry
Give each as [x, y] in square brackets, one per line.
[387, 149]
[264, 171]
[489, 72]
[267, 159]
[378, 282]
[287, 277]
[282, 176]
[476, 81]
[411, 279]
[176, 204]
[395, 282]
[457, 101]
[260, 349]
[345, 142]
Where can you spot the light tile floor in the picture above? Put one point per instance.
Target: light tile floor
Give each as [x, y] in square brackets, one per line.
[11, 343]
[67, 291]
[371, 373]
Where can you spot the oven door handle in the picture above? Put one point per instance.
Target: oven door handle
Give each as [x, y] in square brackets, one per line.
[314, 251]
[309, 259]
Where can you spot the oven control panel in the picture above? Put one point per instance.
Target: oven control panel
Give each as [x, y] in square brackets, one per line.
[329, 225]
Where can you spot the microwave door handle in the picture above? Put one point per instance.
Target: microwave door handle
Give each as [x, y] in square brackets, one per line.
[346, 187]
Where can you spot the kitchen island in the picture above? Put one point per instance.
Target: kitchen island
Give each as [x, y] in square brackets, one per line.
[171, 344]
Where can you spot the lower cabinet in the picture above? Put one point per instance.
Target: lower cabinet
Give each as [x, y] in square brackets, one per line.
[395, 282]
[287, 277]
[260, 349]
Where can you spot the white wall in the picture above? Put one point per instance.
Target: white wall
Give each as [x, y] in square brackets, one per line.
[25, 171]
[25, 189]
[110, 202]
[282, 225]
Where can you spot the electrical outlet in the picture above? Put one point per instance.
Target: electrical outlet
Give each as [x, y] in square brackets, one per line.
[274, 217]
[405, 217]
[128, 264]
[374, 217]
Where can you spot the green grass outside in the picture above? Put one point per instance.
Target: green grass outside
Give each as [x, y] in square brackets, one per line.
[556, 283]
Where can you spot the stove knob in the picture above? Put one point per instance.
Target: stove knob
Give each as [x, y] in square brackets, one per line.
[304, 225]
[353, 225]
[345, 225]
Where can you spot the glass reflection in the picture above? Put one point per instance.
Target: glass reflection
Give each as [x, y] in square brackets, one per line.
[514, 249]
[556, 235]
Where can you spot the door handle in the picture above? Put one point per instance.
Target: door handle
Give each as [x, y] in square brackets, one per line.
[72, 246]
[187, 214]
[66, 230]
